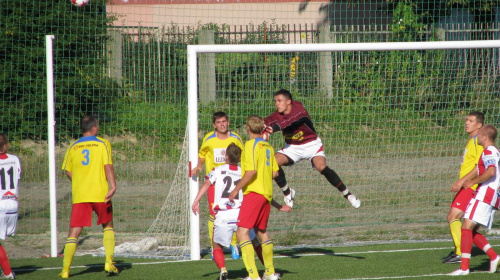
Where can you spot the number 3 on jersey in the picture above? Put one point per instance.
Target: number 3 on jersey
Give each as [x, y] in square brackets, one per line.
[86, 154]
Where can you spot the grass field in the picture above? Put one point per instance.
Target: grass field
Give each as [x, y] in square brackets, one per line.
[420, 260]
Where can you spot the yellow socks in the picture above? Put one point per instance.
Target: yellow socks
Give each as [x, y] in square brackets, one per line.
[456, 234]
[69, 252]
[211, 229]
[248, 256]
[267, 255]
[109, 243]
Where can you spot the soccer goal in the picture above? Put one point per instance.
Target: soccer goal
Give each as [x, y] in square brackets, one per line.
[391, 118]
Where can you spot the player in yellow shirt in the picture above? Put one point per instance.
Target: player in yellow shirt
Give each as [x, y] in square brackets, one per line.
[89, 165]
[213, 153]
[259, 167]
[472, 153]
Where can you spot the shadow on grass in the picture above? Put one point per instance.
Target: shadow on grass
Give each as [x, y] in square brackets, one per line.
[93, 268]
[296, 253]
[25, 269]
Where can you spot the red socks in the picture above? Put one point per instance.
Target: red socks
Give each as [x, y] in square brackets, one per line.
[4, 261]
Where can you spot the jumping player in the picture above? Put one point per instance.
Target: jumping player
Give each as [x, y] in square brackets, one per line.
[212, 154]
[481, 208]
[89, 166]
[10, 168]
[472, 153]
[259, 167]
[302, 142]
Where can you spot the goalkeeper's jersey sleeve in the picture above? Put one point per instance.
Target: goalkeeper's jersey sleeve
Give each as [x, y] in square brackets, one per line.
[472, 154]
[213, 149]
[85, 159]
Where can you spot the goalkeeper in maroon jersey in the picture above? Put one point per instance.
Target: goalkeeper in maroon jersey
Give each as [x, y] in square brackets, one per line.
[302, 142]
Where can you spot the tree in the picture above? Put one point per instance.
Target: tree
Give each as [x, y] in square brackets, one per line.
[79, 61]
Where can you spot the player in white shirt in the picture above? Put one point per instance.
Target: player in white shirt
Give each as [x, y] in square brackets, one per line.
[10, 174]
[481, 208]
[224, 179]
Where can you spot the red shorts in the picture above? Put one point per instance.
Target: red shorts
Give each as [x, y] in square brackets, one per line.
[254, 211]
[462, 199]
[211, 199]
[81, 213]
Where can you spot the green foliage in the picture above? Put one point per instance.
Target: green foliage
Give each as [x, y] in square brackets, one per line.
[80, 35]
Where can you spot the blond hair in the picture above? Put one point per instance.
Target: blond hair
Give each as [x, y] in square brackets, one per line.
[255, 124]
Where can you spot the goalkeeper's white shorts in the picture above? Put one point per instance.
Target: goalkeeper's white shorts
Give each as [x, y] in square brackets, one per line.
[303, 151]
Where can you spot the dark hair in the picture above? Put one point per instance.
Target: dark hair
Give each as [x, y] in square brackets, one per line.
[87, 123]
[287, 94]
[4, 140]
[491, 132]
[218, 115]
[233, 153]
[479, 116]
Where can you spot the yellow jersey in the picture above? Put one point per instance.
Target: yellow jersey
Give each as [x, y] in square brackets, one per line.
[471, 156]
[213, 149]
[258, 155]
[85, 159]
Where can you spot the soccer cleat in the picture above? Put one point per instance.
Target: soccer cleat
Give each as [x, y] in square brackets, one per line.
[459, 272]
[248, 278]
[110, 268]
[235, 254]
[453, 259]
[10, 276]
[451, 254]
[494, 264]
[354, 201]
[64, 274]
[274, 276]
[223, 274]
[289, 198]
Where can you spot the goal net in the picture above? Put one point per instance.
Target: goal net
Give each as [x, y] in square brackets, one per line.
[391, 119]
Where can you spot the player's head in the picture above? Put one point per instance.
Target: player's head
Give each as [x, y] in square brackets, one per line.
[88, 123]
[4, 143]
[283, 101]
[220, 122]
[255, 124]
[487, 135]
[474, 121]
[286, 94]
[233, 154]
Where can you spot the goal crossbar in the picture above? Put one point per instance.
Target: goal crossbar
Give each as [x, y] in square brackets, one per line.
[194, 50]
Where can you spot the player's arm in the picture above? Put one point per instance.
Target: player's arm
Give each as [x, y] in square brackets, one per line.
[110, 177]
[197, 169]
[201, 192]
[460, 183]
[69, 174]
[249, 175]
[282, 208]
[487, 174]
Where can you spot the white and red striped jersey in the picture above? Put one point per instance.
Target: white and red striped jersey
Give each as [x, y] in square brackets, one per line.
[487, 191]
[224, 178]
[10, 174]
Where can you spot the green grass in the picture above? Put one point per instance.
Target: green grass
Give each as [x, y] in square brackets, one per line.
[382, 261]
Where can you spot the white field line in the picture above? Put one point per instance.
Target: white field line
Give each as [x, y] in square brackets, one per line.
[281, 256]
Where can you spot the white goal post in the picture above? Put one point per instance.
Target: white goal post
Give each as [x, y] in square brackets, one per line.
[194, 50]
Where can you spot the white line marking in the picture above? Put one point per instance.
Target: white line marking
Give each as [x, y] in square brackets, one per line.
[284, 256]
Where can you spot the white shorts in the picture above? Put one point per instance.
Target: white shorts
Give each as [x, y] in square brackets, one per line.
[303, 151]
[8, 224]
[225, 226]
[480, 213]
